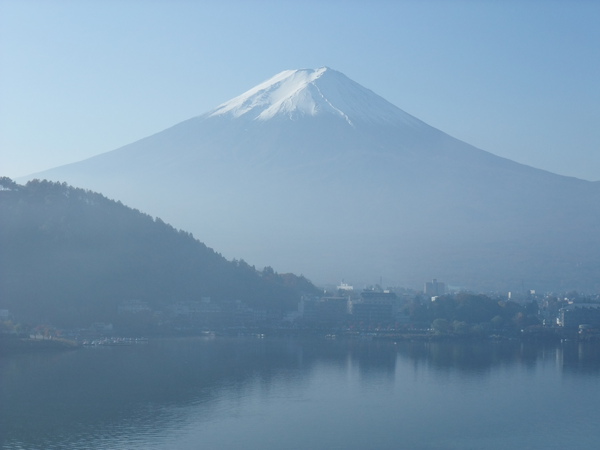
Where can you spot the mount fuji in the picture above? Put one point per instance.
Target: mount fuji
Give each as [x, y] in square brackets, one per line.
[312, 173]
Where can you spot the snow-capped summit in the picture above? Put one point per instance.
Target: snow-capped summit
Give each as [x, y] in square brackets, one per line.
[313, 92]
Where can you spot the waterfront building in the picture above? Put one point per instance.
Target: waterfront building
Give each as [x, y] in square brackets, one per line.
[324, 311]
[576, 314]
[375, 307]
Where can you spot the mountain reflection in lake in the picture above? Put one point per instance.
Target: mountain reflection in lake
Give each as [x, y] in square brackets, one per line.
[229, 393]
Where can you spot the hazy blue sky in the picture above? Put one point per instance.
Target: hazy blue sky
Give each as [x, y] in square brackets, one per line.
[519, 79]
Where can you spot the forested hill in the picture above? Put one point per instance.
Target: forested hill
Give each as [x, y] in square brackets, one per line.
[70, 256]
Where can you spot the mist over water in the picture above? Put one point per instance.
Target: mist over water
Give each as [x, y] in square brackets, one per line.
[230, 393]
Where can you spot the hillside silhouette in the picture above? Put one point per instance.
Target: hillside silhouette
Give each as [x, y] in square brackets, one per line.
[70, 257]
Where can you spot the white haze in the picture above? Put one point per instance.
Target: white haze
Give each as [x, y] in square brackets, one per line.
[312, 173]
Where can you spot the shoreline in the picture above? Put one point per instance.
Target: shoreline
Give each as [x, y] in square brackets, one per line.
[23, 345]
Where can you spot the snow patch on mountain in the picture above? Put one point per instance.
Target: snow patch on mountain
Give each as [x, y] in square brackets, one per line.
[312, 92]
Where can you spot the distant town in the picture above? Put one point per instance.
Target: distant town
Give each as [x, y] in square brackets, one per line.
[436, 312]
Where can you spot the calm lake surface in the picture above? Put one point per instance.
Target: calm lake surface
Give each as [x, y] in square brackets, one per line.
[276, 393]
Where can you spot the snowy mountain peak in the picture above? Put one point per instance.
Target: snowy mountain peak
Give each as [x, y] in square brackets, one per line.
[312, 92]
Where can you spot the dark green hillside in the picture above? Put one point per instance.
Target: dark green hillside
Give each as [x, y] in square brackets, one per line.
[69, 257]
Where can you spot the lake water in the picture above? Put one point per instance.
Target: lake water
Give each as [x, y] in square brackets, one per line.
[276, 393]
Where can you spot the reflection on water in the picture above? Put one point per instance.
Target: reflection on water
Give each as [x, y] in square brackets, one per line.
[476, 357]
[309, 393]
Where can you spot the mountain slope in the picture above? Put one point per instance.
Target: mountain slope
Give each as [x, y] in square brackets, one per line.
[71, 257]
[313, 173]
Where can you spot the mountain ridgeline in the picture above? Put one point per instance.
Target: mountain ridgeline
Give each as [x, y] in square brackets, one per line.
[70, 257]
[313, 173]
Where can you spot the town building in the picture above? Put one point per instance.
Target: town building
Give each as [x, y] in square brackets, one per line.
[576, 314]
[324, 311]
[375, 308]
[434, 288]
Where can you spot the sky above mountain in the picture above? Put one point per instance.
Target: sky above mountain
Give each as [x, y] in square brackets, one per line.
[518, 79]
